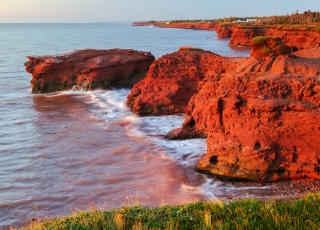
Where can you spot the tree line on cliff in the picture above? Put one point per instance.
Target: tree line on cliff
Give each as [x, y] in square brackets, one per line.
[294, 18]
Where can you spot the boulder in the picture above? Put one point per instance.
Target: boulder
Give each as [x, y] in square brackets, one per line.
[88, 69]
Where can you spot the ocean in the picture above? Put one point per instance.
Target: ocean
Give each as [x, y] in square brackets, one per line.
[73, 150]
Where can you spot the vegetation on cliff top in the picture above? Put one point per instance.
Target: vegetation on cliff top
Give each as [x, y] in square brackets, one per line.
[262, 40]
[306, 20]
[305, 17]
[189, 48]
[264, 45]
[244, 214]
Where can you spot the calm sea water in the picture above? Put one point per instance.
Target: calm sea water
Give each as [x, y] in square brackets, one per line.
[71, 150]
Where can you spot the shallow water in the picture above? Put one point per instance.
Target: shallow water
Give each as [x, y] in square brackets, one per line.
[65, 151]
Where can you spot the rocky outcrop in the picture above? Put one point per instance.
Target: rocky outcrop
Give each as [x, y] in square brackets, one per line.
[261, 119]
[268, 46]
[88, 69]
[297, 39]
[224, 31]
[242, 36]
[174, 78]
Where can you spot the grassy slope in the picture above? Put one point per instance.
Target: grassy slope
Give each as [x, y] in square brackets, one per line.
[301, 213]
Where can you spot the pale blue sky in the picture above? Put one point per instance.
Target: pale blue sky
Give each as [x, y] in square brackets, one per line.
[135, 10]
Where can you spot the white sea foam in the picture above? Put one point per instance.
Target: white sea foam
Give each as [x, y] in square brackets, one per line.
[66, 157]
[110, 104]
[152, 129]
[191, 189]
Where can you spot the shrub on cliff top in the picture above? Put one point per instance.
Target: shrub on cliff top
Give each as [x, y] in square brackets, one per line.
[262, 40]
[266, 45]
[187, 48]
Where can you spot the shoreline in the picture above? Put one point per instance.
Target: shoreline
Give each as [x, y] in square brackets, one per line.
[194, 26]
[296, 36]
[293, 189]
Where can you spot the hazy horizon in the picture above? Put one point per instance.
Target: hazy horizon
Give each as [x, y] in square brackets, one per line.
[84, 11]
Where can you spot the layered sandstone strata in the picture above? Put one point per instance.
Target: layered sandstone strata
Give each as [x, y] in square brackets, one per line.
[297, 39]
[174, 78]
[88, 69]
[262, 119]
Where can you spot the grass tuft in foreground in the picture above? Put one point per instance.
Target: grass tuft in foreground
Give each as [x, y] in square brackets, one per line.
[302, 213]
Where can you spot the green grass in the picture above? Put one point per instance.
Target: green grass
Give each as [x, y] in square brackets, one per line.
[262, 40]
[301, 213]
[187, 48]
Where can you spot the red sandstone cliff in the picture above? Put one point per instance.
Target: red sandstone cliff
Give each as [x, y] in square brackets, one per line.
[174, 78]
[295, 38]
[262, 119]
[88, 69]
[178, 25]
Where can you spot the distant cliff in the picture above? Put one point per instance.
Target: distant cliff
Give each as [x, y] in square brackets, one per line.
[297, 38]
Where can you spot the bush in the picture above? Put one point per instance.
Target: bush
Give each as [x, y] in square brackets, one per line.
[191, 48]
[262, 40]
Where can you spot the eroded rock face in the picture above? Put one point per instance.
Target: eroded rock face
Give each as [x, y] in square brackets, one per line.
[174, 78]
[261, 120]
[295, 39]
[242, 36]
[88, 69]
[224, 31]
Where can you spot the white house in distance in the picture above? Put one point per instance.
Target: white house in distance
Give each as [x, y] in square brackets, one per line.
[252, 20]
[248, 20]
[239, 21]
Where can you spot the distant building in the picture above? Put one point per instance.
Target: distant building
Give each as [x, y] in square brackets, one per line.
[237, 21]
[251, 20]
[168, 22]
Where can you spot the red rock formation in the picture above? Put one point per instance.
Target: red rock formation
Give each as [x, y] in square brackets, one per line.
[268, 46]
[296, 39]
[173, 79]
[197, 26]
[261, 120]
[178, 25]
[224, 31]
[242, 36]
[88, 69]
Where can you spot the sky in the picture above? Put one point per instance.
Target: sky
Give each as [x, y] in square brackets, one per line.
[144, 10]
